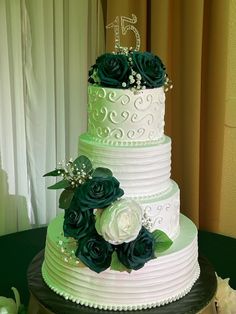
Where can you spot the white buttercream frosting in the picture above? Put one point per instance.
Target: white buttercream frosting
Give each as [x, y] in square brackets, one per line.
[142, 170]
[126, 135]
[162, 280]
[125, 115]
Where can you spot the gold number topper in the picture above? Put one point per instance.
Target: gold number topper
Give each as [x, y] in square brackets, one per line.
[124, 28]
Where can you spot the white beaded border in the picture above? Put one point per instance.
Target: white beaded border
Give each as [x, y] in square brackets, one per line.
[125, 143]
[160, 196]
[124, 307]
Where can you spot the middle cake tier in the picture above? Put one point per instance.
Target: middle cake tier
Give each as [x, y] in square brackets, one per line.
[144, 175]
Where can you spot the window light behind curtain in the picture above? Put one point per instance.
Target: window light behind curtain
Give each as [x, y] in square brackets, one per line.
[46, 49]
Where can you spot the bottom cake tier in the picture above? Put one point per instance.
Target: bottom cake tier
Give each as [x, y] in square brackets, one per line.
[162, 280]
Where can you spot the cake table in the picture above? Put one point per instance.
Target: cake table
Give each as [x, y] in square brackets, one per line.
[44, 301]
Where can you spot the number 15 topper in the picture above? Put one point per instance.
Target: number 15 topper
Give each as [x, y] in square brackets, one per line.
[120, 23]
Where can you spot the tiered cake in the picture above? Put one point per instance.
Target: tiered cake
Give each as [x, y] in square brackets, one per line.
[151, 252]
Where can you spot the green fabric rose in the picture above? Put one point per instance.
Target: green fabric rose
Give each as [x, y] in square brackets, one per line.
[95, 252]
[136, 253]
[112, 70]
[77, 224]
[150, 67]
[120, 222]
[98, 192]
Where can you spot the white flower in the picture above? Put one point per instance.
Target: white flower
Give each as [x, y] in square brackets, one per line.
[119, 222]
[225, 297]
[9, 306]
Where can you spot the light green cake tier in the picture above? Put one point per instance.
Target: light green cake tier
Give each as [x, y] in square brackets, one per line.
[162, 280]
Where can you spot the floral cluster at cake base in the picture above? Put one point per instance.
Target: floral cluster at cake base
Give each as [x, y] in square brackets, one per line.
[107, 227]
[225, 297]
[10, 306]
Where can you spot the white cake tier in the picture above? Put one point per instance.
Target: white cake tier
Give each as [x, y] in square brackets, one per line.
[162, 280]
[120, 115]
[142, 170]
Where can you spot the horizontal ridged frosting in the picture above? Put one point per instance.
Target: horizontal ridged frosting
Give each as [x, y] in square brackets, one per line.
[141, 170]
[160, 281]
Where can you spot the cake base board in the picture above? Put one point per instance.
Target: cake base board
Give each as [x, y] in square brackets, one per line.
[44, 301]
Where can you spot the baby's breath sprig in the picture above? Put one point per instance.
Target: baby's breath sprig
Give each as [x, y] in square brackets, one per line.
[135, 78]
[167, 84]
[73, 173]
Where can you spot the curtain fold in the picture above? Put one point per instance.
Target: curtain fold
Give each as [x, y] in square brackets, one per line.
[195, 39]
[14, 188]
[45, 56]
[214, 82]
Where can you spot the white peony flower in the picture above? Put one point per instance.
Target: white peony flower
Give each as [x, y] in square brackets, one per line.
[225, 297]
[8, 305]
[120, 222]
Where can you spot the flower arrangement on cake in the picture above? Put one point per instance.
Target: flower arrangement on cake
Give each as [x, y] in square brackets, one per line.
[110, 230]
[127, 68]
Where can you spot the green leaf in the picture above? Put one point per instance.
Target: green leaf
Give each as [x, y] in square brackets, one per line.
[60, 185]
[65, 198]
[82, 162]
[102, 172]
[117, 265]
[54, 173]
[162, 241]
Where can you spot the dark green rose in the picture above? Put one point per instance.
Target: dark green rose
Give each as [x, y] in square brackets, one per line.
[112, 70]
[150, 67]
[77, 223]
[98, 192]
[136, 253]
[95, 252]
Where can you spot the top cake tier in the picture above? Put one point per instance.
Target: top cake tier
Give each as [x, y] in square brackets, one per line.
[127, 97]
[124, 115]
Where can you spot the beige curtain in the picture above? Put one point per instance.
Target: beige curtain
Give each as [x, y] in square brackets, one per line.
[197, 42]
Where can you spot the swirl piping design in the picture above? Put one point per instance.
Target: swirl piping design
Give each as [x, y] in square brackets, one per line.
[113, 115]
[100, 115]
[123, 99]
[117, 133]
[141, 120]
[103, 132]
[141, 105]
[149, 117]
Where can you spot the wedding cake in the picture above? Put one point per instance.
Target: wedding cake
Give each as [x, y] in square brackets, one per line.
[121, 243]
